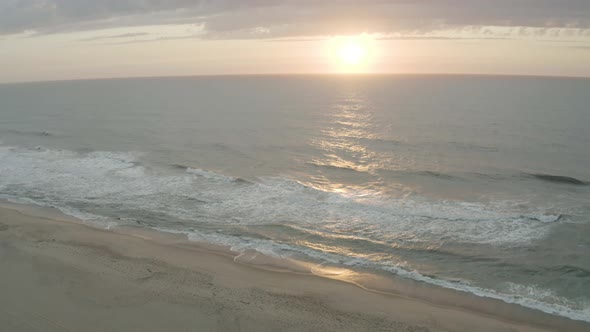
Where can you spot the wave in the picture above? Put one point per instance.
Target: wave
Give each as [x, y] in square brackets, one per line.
[180, 166]
[457, 145]
[557, 179]
[492, 176]
[576, 271]
[546, 217]
[384, 141]
[473, 147]
[334, 167]
[102, 178]
[29, 133]
[403, 174]
[424, 173]
[113, 188]
[530, 296]
[216, 176]
[209, 174]
[438, 175]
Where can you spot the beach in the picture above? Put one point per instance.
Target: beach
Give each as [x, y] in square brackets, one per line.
[62, 275]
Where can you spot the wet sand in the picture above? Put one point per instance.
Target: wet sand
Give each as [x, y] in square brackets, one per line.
[60, 275]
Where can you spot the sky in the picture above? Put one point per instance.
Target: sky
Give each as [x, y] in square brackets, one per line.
[80, 39]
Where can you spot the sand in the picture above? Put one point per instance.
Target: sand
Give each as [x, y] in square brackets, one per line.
[60, 275]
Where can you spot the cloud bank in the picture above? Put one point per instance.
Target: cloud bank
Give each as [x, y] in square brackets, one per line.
[235, 19]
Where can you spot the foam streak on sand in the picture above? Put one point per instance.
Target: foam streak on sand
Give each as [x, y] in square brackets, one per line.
[60, 276]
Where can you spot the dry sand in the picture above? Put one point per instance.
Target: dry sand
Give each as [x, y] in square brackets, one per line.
[59, 275]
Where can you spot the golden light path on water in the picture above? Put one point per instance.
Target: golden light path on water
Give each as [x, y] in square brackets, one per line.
[348, 121]
[349, 124]
[349, 167]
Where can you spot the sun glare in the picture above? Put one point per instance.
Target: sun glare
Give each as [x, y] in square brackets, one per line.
[352, 54]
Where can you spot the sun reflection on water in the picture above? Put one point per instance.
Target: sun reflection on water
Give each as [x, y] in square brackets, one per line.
[342, 145]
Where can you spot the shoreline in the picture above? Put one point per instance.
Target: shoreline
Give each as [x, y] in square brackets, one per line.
[196, 273]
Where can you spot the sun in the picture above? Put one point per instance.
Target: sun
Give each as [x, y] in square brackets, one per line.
[352, 53]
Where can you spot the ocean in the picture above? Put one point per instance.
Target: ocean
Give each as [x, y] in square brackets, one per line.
[475, 183]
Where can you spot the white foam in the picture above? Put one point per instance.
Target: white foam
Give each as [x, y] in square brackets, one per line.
[547, 217]
[209, 175]
[82, 184]
[63, 177]
[558, 306]
[529, 296]
[95, 220]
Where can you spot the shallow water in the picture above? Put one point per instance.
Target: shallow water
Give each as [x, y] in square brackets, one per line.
[472, 183]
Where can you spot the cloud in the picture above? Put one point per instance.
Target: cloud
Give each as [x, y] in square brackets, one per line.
[120, 36]
[429, 37]
[228, 19]
[157, 39]
[290, 40]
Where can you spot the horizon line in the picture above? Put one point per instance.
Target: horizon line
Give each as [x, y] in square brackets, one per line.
[506, 75]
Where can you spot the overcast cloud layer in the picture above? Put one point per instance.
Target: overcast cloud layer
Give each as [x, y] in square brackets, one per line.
[279, 18]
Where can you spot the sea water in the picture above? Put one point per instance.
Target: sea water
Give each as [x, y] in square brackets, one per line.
[479, 184]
